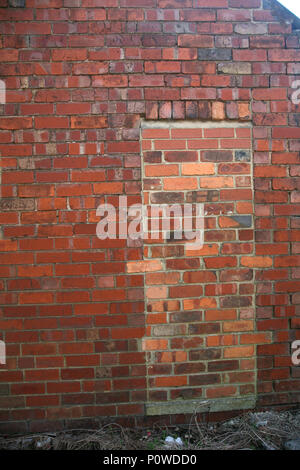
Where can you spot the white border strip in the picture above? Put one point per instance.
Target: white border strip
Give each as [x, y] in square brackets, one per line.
[166, 124]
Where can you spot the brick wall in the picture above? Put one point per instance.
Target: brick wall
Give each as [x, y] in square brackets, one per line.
[82, 76]
[200, 300]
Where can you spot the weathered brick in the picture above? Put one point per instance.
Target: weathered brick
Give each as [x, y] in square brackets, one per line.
[214, 54]
[235, 68]
[189, 40]
[251, 28]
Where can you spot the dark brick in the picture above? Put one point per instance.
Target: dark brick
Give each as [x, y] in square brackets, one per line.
[223, 365]
[16, 204]
[204, 354]
[189, 368]
[203, 329]
[191, 110]
[17, 3]
[205, 110]
[242, 156]
[152, 157]
[181, 156]
[215, 54]
[202, 196]
[217, 156]
[205, 379]
[185, 317]
[243, 220]
[235, 302]
[166, 197]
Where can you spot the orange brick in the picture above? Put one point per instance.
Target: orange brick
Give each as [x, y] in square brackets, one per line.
[156, 318]
[171, 381]
[154, 344]
[144, 266]
[218, 111]
[108, 188]
[8, 245]
[256, 261]
[244, 207]
[162, 306]
[217, 392]
[162, 170]
[220, 315]
[179, 356]
[165, 357]
[171, 184]
[217, 182]
[239, 351]
[157, 292]
[225, 222]
[198, 169]
[206, 250]
[190, 304]
[155, 133]
[244, 111]
[240, 325]
[256, 338]
[221, 340]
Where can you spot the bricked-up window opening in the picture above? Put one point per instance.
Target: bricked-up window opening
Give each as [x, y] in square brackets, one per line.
[200, 306]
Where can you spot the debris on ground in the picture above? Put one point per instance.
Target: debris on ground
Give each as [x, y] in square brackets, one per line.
[171, 443]
[292, 445]
[267, 430]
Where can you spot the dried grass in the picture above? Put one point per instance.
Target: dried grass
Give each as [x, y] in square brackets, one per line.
[266, 430]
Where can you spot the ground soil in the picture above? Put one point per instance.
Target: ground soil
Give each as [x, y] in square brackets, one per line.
[253, 431]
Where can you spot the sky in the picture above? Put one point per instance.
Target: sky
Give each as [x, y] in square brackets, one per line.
[292, 5]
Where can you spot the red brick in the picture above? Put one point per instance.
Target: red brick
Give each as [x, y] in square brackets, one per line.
[279, 55]
[36, 297]
[183, 156]
[110, 81]
[198, 93]
[270, 94]
[188, 40]
[52, 123]
[89, 122]
[15, 123]
[69, 54]
[217, 182]
[255, 55]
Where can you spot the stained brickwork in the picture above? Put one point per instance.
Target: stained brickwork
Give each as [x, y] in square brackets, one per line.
[200, 338]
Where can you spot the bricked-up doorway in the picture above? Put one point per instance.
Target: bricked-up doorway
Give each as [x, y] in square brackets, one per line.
[200, 315]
